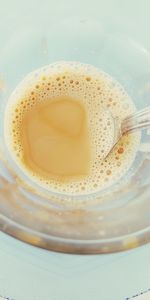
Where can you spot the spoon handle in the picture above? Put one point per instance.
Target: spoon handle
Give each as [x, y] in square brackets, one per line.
[136, 121]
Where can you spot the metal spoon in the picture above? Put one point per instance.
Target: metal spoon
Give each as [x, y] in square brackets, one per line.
[136, 121]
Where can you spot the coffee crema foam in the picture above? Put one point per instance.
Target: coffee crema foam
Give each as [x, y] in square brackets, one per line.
[98, 94]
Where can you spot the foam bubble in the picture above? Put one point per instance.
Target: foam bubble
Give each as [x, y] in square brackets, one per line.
[101, 95]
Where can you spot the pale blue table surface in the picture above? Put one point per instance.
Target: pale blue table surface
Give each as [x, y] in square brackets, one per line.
[28, 273]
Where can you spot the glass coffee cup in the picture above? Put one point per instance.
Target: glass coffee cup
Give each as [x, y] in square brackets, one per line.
[115, 219]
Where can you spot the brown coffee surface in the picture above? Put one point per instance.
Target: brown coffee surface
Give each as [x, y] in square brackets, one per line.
[55, 141]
